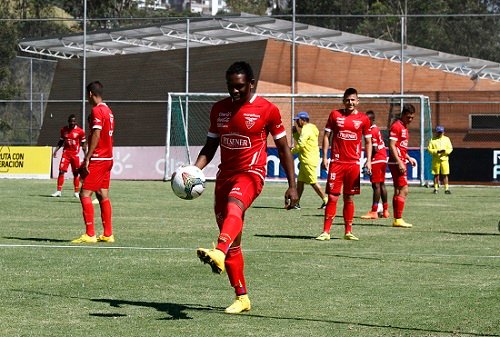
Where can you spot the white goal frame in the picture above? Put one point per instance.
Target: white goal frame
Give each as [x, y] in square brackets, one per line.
[172, 96]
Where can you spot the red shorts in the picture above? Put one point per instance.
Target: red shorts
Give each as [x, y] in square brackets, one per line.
[98, 176]
[378, 172]
[244, 186]
[398, 178]
[69, 159]
[347, 175]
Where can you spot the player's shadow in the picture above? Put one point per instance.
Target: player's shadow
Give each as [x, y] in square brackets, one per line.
[283, 236]
[268, 207]
[469, 233]
[34, 239]
[174, 311]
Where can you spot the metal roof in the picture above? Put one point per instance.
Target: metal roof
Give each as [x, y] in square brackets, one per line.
[225, 30]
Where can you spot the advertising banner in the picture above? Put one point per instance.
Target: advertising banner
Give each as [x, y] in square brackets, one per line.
[32, 162]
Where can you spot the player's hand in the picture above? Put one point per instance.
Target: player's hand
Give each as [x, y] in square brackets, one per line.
[291, 198]
[402, 167]
[324, 164]
[413, 162]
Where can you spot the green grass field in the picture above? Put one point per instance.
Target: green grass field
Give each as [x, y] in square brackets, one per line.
[440, 278]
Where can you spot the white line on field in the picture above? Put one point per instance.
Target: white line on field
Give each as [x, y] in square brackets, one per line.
[337, 252]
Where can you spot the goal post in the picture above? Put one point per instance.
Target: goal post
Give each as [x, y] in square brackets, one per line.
[188, 121]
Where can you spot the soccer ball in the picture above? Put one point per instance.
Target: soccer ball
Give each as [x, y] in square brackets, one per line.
[188, 182]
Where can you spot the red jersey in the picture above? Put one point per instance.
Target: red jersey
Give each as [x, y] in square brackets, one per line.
[102, 118]
[72, 139]
[347, 134]
[379, 150]
[399, 133]
[242, 132]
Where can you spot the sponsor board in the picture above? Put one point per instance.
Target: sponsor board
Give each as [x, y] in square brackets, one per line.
[32, 162]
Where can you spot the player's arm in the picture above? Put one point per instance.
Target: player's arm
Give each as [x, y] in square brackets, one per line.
[369, 151]
[286, 159]
[324, 148]
[300, 141]
[432, 148]
[95, 135]
[59, 145]
[394, 153]
[207, 153]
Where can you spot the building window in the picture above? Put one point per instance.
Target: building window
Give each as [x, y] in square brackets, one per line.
[484, 122]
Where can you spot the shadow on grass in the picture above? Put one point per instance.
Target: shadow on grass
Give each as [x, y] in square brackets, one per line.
[282, 236]
[268, 207]
[177, 311]
[173, 310]
[467, 234]
[35, 239]
[370, 325]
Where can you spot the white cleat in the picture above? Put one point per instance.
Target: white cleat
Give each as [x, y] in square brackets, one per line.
[56, 194]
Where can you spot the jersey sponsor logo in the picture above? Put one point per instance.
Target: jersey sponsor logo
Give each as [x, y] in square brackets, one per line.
[223, 119]
[347, 135]
[404, 144]
[235, 142]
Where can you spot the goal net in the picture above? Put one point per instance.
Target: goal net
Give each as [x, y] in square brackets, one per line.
[188, 122]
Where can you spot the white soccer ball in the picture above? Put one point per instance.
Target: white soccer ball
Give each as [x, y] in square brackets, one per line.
[188, 182]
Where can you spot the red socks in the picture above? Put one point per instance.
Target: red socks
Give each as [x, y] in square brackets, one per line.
[88, 215]
[348, 212]
[231, 227]
[60, 182]
[234, 268]
[106, 212]
[398, 204]
[330, 211]
[76, 182]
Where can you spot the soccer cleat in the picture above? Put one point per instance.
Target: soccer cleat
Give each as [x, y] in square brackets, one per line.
[370, 215]
[77, 195]
[85, 239]
[350, 236]
[386, 214]
[95, 202]
[323, 205]
[240, 304]
[214, 257]
[435, 191]
[56, 194]
[447, 192]
[297, 206]
[401, 223]
[323, 237]
[109, 239]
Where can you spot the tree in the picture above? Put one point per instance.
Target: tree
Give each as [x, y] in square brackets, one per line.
[258, 7]
[472, 36]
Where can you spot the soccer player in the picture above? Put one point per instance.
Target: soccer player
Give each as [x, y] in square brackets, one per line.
[72, 139]
[347, 127]
[440, 148]
[398, 157]
[96, 168]
[306, 145]
[240, 124]
[379, 165]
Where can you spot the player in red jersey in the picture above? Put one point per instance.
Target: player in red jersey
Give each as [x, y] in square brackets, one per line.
[398, 150]
[379, 165]
[347, 127]
[96, 168]
[240, 125]
[72, 139]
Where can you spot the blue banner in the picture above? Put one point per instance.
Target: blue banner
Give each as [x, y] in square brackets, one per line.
[274, 169]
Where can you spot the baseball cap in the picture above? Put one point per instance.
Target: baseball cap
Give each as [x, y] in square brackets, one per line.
[439, 128]
[301, 115]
